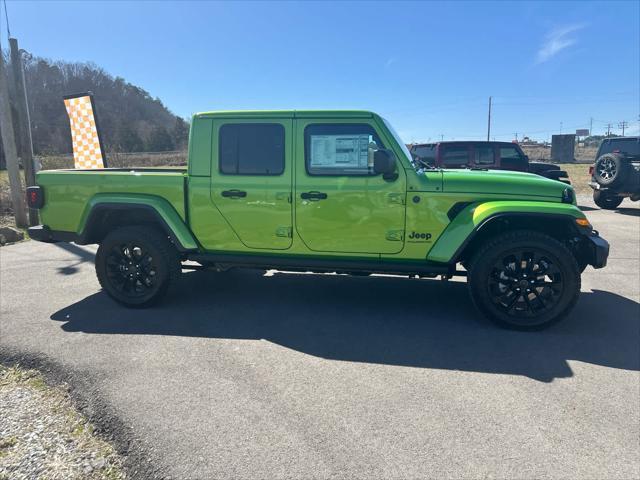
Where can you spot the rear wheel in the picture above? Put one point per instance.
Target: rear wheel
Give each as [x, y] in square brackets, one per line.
[524, 280]
[606, 201]
[136, 265]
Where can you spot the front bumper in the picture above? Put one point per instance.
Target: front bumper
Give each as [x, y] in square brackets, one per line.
[596, 250]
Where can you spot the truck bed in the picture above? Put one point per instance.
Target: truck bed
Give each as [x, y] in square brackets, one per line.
[69, 193]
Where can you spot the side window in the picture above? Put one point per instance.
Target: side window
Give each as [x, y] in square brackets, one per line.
[426, 153]
[340, 149]
[509, 153]
[484, 155]
[251, 149]
[455, 155]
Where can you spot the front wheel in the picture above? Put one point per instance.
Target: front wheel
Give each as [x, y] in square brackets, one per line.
[524, 280]
[135, 265]
[606, 201]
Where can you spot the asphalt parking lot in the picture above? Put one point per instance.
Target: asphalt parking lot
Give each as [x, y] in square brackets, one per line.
[246, 375]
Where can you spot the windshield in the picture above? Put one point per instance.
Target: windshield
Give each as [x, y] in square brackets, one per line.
[398, 139]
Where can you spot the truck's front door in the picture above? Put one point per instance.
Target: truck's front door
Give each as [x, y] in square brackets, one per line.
[251, 179]
[341, 205]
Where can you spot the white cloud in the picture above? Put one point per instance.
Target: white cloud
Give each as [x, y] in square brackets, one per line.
[557, 40]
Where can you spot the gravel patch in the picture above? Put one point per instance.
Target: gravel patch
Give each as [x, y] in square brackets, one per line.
[43, 436]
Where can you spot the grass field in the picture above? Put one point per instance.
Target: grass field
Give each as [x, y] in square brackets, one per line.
[543, 153]
[578, 174]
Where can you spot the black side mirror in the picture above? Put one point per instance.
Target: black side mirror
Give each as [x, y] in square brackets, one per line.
[384, 161]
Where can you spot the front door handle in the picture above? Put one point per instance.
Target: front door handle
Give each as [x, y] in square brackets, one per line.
[234, 193]
[313, 195]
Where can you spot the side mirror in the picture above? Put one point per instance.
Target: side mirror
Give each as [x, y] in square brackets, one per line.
[384, 161]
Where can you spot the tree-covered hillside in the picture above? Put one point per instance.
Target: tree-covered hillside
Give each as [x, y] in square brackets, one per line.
[130, 119]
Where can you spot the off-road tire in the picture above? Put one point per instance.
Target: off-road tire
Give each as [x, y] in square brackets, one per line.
[550, 260]
[146, 277]
[606, 201]
[610, 169]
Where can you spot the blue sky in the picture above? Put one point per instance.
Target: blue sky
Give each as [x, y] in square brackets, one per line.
[428, 67]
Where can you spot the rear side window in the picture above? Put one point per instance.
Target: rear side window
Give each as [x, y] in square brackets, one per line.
[509, 153]
[455, 155]
[251, 149]
[484, 155]
[340, 149]
[426, 153]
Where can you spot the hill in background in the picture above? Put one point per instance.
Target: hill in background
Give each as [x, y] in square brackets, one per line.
[130, 119]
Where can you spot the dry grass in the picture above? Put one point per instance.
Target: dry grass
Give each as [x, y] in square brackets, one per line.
[42, 435]
[121, 160]
[541, 153]
[6, 204]
[579, 176]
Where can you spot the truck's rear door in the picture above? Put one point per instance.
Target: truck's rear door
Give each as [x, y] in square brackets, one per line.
[251, 179]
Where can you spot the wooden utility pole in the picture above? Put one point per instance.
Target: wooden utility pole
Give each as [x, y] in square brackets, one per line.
[24, 130]
[489, 121]
[623, 124]
[9, 146]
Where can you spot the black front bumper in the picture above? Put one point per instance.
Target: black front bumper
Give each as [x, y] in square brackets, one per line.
[596, 249]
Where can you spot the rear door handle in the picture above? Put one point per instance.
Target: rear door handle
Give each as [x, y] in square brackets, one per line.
[234, 193]
[313, 195]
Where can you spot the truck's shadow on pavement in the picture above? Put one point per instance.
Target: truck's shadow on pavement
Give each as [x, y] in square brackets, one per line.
[634, 212]
[393, 321]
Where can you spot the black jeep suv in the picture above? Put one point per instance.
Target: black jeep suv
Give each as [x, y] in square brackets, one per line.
[616, 172]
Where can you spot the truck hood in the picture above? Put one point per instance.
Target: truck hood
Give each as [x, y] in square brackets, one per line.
[501, 182]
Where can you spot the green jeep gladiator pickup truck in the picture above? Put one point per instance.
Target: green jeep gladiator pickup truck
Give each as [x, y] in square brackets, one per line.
[324, 191]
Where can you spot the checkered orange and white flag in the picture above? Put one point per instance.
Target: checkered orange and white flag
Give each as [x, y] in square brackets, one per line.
[87, 150]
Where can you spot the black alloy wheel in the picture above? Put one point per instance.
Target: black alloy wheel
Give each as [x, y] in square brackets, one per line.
[524, 280]
[135, 265]
[131, 269]
[524, 283]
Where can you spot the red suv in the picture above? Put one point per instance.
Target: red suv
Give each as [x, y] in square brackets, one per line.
[478, 154]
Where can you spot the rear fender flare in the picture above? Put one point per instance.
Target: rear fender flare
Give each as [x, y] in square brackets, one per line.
[162, 212]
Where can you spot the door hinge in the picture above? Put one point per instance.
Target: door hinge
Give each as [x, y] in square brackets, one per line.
[284, 232]
[395, 235]
[397, 198]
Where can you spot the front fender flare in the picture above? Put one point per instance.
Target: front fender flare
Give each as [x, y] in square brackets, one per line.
[470, 220]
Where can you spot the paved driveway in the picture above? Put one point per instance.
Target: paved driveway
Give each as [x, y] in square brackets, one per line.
[242, 375]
